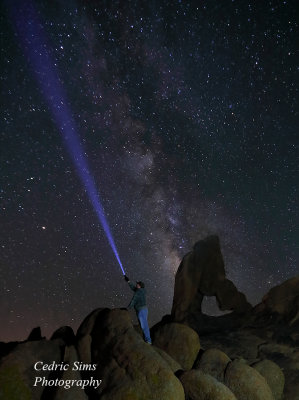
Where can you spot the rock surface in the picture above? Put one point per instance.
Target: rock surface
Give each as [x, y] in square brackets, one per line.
[202, 273]
[200, 386]
[174, 365]
[213, 362]
[17, 373]
[273, 375]
[282, 300]
[74, 392]
[129, 367]
[210, 355]
[287, 358]
[179, 341]
[66, 334]
[246, 383]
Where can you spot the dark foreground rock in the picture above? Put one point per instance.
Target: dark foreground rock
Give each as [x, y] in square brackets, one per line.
[17, 373]
[200, 386]
[246, 383]
[128, 367]
[249, 354]
[273, 375]
[282, 303]
[179, 341]
[213, 362]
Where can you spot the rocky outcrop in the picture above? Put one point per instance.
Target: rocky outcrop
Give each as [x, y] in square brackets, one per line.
[174, 365]
[17, 373]
[74, 392]
[65, 334]
[128, 367]
[287, 358]
[201, 273]
[35, 334]
[200, 386]
[246, 354]
[179, 341]
[246, 383]
[282, 302]
[236, 344]
[84, 338]
[273, 375]
[213, 362]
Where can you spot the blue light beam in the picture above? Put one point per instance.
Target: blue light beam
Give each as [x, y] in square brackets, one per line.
[38, 52]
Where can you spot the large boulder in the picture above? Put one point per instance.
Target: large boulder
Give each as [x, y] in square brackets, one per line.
[17, 372]
[128, 367]
[283, 301]
[213, 362]
[74, 392]
[84, 338]
[273, 375]
[246, 383]
[174, 365]
[287, 358]
[179, 341]
[200, 386]
[201, 273]
[35, 334]
[65, 334]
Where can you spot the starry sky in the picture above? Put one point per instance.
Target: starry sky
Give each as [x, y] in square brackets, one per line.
[187, 114]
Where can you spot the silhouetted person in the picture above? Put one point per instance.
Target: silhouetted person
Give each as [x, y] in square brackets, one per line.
[139, 303]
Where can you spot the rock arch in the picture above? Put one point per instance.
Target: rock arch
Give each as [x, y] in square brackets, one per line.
[201, 273]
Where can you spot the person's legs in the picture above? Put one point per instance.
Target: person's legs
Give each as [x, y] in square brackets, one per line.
[142, 317]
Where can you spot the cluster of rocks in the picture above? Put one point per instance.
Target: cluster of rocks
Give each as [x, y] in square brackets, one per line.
[249, 354]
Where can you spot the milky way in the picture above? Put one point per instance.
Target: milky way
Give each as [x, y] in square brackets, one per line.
[187, 114]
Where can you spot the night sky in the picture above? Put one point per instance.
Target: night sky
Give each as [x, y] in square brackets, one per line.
[187, 113]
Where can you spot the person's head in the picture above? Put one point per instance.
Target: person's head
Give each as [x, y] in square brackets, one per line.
[139, 285]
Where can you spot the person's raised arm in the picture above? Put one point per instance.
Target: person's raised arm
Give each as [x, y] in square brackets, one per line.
[132, 286]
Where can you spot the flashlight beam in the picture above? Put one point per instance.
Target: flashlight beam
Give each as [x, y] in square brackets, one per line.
[38, 52]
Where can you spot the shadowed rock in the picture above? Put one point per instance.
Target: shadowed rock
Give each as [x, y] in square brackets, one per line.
[84, 336]
[128, 367]
[201, 273]
[282, 301]
[66, 334]
[214, 363]
[35, 334]
[74, 392]
[179, 341]
[287, 358]
[200, 386]
[273, 375]
[17, 373]
[267, 336]
[174, 365]
[246, 383]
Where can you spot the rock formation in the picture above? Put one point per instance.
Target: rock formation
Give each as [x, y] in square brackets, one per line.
[273, 375]
[128, 367]
[246, 383]
[213, 362]
[251, 353]
[200, 386]
[201, 273]
[17, 373]
[169, 337]
[282, 302]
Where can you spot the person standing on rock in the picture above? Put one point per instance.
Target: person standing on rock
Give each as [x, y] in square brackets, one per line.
[139, 303]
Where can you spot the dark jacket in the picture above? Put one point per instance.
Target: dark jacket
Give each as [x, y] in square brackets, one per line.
[138, 300]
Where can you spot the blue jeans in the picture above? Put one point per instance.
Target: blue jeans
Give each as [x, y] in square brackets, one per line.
[142, 318]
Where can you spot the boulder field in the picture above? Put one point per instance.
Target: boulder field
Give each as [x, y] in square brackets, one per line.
[251, 353]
